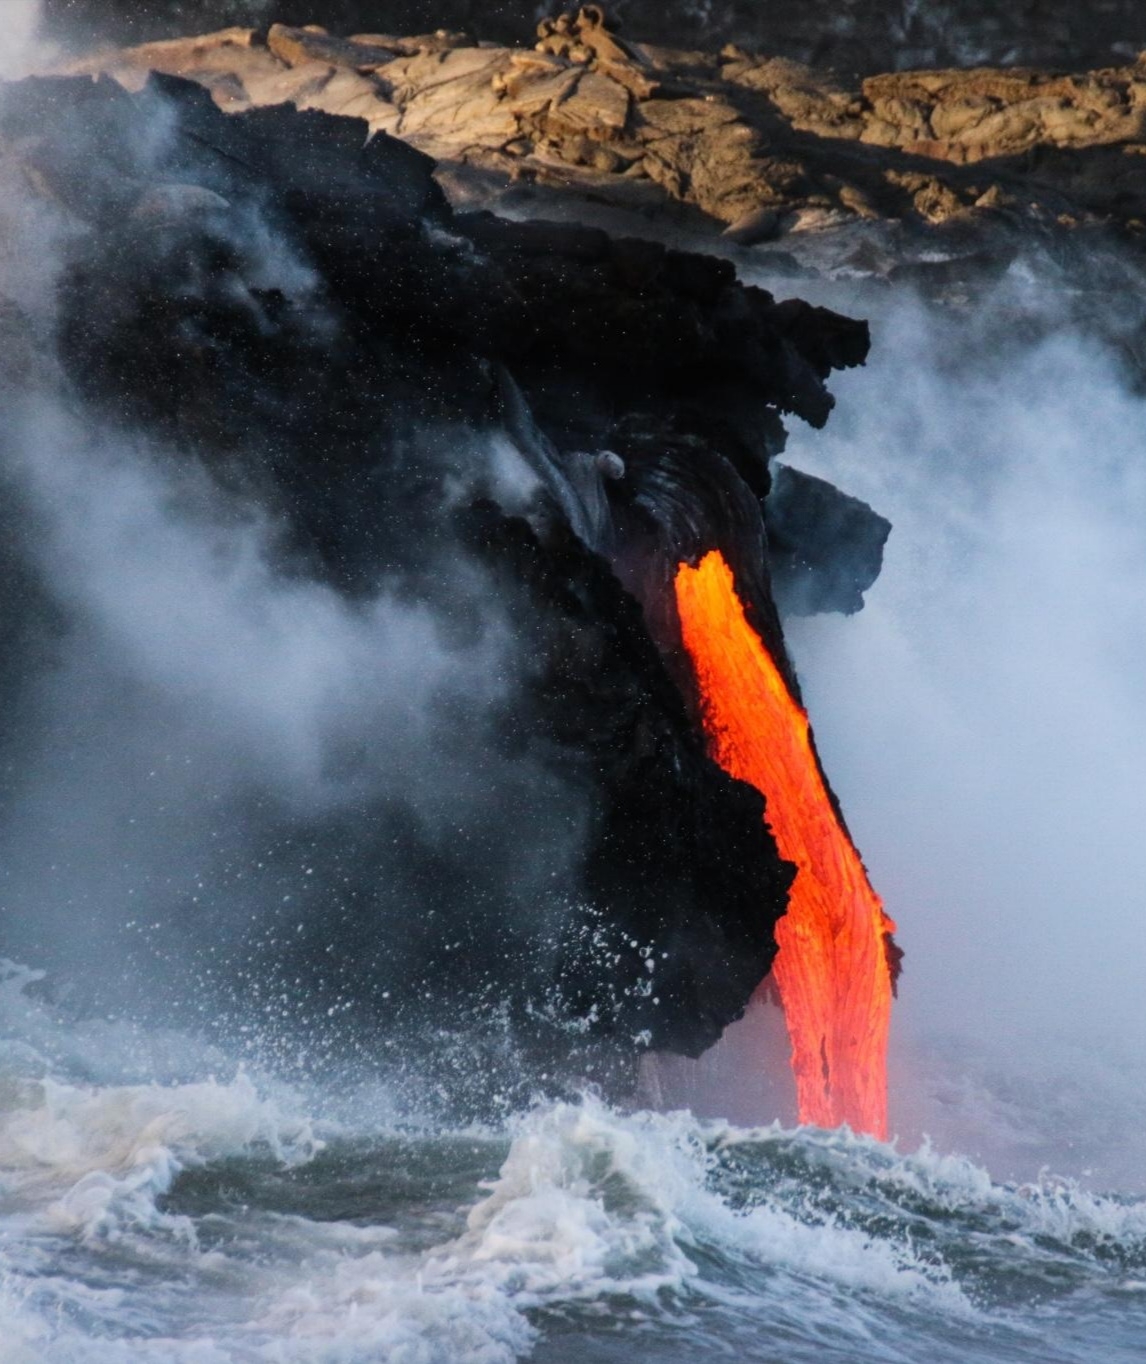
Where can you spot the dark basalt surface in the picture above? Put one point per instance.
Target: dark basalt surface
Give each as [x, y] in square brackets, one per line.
[852, 35]
[826, 548]
[642, 389]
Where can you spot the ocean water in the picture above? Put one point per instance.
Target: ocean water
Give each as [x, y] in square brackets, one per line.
[219, 1218]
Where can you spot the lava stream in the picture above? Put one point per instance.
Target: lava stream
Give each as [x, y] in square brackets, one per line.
[832, 969]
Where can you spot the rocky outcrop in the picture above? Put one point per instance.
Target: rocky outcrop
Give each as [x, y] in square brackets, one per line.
[518, 422]
[825, 548]
[758, 146]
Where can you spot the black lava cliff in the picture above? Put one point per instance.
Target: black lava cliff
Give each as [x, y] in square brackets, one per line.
[294, 308]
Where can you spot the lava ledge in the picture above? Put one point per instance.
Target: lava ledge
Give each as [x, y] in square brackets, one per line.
[519, 422]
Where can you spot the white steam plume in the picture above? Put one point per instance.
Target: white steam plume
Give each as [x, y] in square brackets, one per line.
[19, 38]
[188, 691]
[984, 723]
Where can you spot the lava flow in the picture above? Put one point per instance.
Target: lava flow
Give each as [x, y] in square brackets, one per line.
[832, 969]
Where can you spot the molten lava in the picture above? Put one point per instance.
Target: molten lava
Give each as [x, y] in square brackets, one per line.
[833, 968]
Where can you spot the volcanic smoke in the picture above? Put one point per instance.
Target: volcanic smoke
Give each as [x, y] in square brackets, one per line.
[833, 968]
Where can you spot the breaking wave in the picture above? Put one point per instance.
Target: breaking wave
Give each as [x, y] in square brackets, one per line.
[224, 1217]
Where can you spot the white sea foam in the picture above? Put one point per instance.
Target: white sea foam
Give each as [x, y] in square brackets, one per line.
[589, 1205]
[103, 1156]
[643, 1196]
[590, 1213]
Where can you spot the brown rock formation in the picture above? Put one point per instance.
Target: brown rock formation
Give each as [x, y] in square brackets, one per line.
[757, 144]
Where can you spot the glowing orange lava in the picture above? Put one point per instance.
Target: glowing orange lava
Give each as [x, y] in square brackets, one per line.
[832, 969]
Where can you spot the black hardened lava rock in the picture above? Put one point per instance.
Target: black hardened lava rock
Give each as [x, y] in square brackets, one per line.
[295, 308]
[825, 547]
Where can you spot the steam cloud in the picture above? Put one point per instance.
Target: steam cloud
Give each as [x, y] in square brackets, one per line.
[180, 693]
[984, 722]
[19, 46]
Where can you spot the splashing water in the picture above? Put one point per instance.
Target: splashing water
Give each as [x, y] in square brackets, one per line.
[234, 1221]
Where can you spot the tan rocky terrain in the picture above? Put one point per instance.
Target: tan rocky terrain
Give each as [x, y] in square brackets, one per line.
[761, 149]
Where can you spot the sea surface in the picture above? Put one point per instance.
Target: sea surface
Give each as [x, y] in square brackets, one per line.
[204, 1217]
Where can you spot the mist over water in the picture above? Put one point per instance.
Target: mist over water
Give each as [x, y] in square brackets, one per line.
[206, 729]
[215, 754]
[983, 720]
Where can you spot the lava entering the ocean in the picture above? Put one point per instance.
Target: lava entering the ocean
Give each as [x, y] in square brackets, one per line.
[833, 969]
